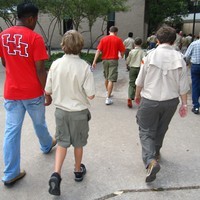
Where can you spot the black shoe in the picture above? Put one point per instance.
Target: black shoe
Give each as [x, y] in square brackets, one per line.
[152, 170]
[79, 175]
[14, 180]
[195, 110]
[54, 184]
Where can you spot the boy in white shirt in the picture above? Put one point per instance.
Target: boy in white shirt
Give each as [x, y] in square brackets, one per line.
[70, 81]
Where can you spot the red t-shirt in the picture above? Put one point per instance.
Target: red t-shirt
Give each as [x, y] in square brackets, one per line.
[21, 47]
[110, 46]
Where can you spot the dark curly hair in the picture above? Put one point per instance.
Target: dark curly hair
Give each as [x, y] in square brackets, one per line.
[26, 9]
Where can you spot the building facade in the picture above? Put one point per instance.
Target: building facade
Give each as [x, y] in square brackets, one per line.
[130, 21]
[189, 23]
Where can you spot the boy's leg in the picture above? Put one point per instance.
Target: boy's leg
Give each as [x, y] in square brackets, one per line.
[135, 75]
[79, 127]
[35, 108]
[59, 158]
[78, 154]
[131, 84]
[55, 179]
[80, 169]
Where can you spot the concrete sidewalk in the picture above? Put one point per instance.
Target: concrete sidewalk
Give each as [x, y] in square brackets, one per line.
[113, 155]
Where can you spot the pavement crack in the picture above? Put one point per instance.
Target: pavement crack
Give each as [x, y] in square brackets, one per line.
[161, 189]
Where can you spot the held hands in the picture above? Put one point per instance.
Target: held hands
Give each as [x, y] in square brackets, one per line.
[48, 100]
[183, 110]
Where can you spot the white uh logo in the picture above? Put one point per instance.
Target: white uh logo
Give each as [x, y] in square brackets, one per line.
[14, 45]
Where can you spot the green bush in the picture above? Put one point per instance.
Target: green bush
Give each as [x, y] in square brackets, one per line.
[89, 57]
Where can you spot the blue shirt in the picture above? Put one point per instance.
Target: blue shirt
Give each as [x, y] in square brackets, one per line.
[193, 52]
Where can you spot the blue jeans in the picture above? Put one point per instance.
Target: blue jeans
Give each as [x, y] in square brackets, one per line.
[195, 74]
[15, 112]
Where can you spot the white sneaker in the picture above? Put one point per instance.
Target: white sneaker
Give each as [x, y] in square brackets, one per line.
[108, 101]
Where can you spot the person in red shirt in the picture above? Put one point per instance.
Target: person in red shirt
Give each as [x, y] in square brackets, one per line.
[23, 53]
[110, 46]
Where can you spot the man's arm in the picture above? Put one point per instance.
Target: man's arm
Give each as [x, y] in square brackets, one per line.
[41, 72]
[98, 52]
[42, 76]
[48, 99]
[122, 54]
[3, 62]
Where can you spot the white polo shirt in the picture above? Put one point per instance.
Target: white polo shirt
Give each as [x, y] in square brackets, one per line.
[70, 81]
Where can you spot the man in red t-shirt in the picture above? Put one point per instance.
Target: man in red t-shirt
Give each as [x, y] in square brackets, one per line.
[110, 46]
[23, 53]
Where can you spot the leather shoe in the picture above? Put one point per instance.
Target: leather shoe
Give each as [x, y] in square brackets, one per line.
[195, 110]
[14, 180]
[54, 142]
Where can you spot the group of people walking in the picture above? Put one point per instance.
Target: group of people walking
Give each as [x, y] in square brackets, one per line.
[158, 81]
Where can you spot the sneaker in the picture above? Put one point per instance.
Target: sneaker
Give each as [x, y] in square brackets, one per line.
[195, 110]
[108, 101]
[17, 178]
[129, 104]
[54, 184]
[54, 142]
[79, 175]
[152, 170]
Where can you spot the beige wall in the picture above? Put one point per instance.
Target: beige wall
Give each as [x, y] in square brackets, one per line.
[132, 20]
[45, 20]
[188, 27]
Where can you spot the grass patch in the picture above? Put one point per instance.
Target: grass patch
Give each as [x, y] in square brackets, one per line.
[89, 57]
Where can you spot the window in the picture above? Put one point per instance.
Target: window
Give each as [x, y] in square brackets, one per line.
[111, 21]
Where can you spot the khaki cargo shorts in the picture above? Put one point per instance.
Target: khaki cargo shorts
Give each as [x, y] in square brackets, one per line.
[110, 70]
[72, 127]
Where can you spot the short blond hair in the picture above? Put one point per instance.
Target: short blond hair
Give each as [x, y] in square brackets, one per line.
[72, 42]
